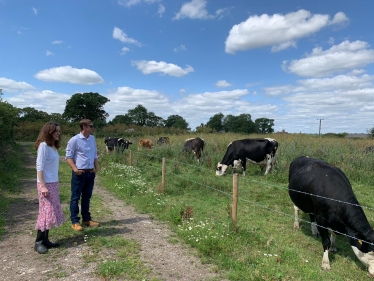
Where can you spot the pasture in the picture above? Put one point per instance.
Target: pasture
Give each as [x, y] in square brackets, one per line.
[197, 204]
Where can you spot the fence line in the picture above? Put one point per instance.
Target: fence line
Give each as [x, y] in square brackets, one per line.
[270, 184]
[234, 194]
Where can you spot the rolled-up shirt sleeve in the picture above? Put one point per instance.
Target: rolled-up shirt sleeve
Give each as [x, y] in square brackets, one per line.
[70, 151]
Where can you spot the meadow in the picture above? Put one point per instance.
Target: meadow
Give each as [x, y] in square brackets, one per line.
[196, 203]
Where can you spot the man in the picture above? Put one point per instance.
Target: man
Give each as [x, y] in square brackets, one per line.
[81, 155]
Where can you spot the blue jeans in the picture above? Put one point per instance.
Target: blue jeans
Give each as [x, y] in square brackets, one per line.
[81, 186]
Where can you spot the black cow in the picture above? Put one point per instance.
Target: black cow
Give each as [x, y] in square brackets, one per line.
[117, 144]
[163, 140]
[256, 151]
[323, 191]
[196, 145]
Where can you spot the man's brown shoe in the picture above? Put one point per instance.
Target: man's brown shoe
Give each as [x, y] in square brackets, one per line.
[91, 223]
[77, 227]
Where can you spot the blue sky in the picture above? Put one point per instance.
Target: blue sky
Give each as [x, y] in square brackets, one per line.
[292, 61]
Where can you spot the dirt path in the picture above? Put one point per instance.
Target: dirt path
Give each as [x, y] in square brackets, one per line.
[19, 261]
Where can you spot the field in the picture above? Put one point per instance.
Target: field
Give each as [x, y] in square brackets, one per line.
[197, 204]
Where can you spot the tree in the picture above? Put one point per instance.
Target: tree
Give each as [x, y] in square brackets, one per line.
[265, 125]
[86, 106]
[138, 115]
[8, 119]
[30, 114]
[216, 122]
[371, 132]
[177, 122]
[154, 121]
[122, 119]
[239, 124]
[141, 117]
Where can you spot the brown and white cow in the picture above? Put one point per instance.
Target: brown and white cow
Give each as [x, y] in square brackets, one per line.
[255, 151]
[145, 143]
[196, 145]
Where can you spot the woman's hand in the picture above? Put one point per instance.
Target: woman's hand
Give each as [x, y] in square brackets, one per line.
[44, 190]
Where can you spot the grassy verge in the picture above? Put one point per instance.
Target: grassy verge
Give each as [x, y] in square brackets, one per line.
[10, 175]
[197, 206]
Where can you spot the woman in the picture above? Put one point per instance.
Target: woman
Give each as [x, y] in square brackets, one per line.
[47, 163]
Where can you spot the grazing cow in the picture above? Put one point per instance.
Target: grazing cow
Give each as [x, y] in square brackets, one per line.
[369, 149]
[196, 145]
[118, 144]
[256, 151]
[323, 191]
[163, 140]
[146, 143]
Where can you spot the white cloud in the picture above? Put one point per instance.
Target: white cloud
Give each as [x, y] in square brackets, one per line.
[161, 10]
[180, 48]
[9, 85]
[129, 3]
[125, 98]
[67, 74]
[47, 101]
[56, 42]
[122, 36]
[124, 50]
[48, 53]
[196, 10]
[222, 84]
[35, 11]
[342, 83]
[278, 30]
[341, 101]
[148, 67]
[343, 57]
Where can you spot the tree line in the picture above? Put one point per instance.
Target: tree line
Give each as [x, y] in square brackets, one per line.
[91, 105]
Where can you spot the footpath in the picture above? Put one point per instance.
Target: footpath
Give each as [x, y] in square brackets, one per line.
[19, 261]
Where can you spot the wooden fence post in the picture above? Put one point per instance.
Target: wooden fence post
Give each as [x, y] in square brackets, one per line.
[235, 180]
[163, 174]
[130, 158]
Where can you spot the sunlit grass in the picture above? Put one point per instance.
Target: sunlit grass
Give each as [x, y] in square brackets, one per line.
[264, 245]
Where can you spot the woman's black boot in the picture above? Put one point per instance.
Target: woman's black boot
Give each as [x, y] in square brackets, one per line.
[39, 247]
[48, 243]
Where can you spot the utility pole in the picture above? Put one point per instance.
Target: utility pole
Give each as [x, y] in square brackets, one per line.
[319, 133]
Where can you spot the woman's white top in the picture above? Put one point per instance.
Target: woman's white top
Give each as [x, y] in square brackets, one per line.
[47, 161]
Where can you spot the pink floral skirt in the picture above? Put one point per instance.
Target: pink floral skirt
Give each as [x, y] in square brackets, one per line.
[50, 210]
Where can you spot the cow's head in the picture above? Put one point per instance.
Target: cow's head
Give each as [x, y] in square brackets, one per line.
[221, 169]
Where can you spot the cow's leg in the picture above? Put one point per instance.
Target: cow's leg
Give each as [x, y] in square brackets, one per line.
[333, 244]
[269, 161]
[244, 164]
[326, 242]
[313, 226]
[296, 224]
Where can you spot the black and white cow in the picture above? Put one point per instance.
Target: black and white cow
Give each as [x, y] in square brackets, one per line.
[323, 191]
[163, 140]
[369, 149]
[196, 145]
[117, 144]
[256, 151]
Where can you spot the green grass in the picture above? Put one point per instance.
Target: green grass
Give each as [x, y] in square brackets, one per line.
[264, 246]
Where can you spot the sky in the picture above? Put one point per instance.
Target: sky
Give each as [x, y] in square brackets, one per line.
[301, 63]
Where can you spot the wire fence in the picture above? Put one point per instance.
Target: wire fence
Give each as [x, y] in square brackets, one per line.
[163, 160]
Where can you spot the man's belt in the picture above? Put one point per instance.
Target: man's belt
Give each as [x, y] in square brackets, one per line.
[87, 170]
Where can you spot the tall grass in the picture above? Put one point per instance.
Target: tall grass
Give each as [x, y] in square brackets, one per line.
[197, 204]
[10, 174]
